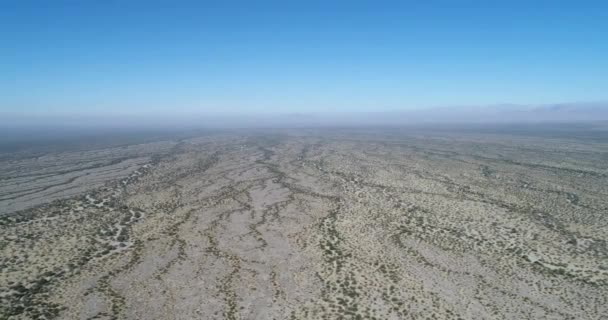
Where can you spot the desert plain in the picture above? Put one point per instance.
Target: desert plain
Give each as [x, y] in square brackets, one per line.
[309, 224]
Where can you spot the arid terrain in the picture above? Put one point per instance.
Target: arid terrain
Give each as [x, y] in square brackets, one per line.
[309, 224]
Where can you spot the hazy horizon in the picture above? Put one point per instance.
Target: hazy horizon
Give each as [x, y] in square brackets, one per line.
[495, 114]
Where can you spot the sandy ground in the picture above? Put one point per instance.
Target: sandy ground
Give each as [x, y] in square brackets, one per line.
[309, 224]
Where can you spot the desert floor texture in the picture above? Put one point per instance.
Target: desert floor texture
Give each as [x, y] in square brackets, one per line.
[308, 224]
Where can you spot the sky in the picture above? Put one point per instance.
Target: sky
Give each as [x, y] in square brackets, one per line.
[292, 57]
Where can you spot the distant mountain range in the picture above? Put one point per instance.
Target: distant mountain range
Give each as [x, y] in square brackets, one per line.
[503, 113]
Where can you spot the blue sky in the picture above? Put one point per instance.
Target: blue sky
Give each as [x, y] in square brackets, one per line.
[129, 57]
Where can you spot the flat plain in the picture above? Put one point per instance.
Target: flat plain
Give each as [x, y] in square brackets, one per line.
[310, 224]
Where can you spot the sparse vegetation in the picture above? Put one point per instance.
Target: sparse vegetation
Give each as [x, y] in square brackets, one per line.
[328, 225]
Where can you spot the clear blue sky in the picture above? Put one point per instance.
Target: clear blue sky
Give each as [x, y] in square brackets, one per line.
[113, 57]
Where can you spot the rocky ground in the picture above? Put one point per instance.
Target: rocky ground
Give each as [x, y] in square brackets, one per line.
[309, 224]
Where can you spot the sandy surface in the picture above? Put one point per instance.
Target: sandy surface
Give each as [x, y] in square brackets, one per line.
[309, 224]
